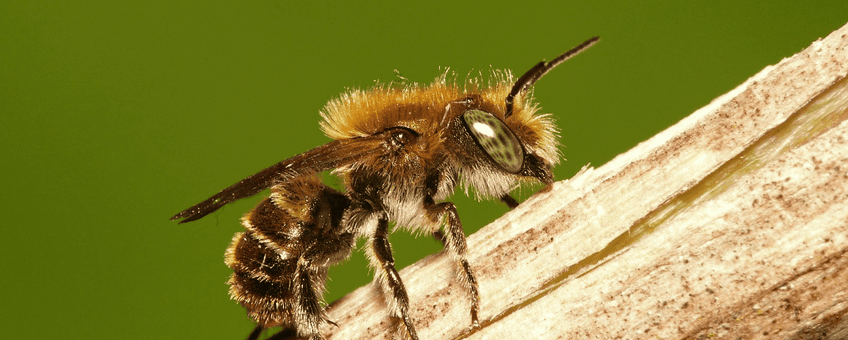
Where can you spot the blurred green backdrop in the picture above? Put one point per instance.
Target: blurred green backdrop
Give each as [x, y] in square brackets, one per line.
[117, 114]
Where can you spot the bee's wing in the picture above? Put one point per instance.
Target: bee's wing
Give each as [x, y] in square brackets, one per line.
[325, 157]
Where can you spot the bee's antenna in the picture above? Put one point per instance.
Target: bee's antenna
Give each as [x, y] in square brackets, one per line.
[530, 77]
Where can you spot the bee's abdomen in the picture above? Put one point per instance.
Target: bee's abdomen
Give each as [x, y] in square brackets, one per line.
[265, 258]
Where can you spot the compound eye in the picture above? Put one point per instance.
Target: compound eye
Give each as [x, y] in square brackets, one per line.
[496, 139]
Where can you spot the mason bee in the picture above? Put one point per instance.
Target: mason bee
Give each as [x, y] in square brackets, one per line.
[399, 152]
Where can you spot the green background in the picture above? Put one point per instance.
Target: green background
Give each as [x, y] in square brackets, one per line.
[116, 115]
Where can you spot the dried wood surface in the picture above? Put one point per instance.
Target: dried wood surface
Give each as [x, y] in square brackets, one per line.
[733, 223]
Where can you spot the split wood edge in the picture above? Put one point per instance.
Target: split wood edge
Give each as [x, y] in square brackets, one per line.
[734, 222]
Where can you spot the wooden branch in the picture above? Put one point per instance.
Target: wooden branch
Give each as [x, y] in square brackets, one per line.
[733, 222]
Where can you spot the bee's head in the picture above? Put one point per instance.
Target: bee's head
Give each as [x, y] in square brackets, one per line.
[494, 151]
[505, 137]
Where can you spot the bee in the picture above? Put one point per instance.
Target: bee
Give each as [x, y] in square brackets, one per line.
[399, 152]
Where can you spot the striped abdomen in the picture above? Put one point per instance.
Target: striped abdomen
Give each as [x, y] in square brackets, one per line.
[280, 262]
